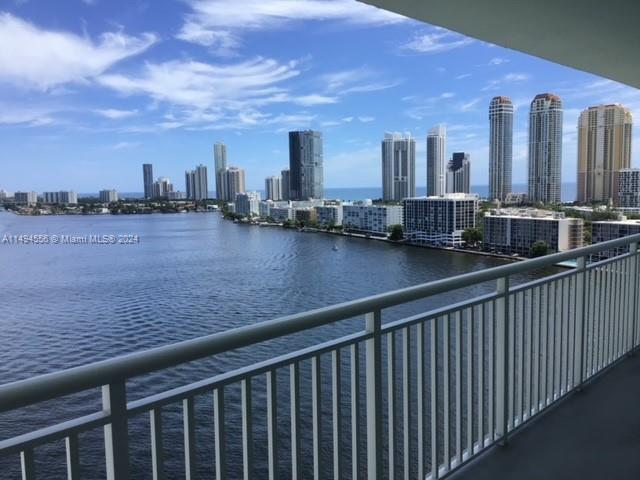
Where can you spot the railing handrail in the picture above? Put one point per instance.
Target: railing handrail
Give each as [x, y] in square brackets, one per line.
[52, 385]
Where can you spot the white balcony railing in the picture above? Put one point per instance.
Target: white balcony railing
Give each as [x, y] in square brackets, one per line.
[465, 376]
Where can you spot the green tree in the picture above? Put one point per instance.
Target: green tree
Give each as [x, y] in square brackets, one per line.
[472, 236]
[539, 249]
[396, 232]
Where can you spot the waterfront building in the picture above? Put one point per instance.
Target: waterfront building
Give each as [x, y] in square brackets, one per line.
[273, 188]
[62, 197]
[514, 231]
[604, 149]
[286, 191]
[439, 220]
[178, 195]
[545, 149]
[500, 147]
[602, 231]
[25, 198]
[4, 194]
[281, 213]
[459, 173]
[330, 215]
[248, 204]
[234, 183]
[371, 219]
[162, 187]
[306, 215]
[306, 179]
[436, 140]
[515, 198]
[398, 167]
[264, 208]
[147, 178]
[629, 188]
[197, 184]
[108, 196]
[220, 165]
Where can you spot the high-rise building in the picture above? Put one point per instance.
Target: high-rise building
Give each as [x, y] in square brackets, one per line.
[273, 188]
[162, 187]
[500, 147]
[147, 176]
[68, 197]
[201, 191]
[286, 182]
[459, 173]
[604, 148]
[25, 198]
[439, 220]
[190, 183]
[305, 164]
[108, 196]
[436, 140]
[248, 203]
[233, 178]
[220, 165]
[398, 167]
[545, 148]
[629, 188]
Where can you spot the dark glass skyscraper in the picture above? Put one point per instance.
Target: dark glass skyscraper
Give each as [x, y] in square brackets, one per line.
[305, 165]
[500, 147]
[147, 175]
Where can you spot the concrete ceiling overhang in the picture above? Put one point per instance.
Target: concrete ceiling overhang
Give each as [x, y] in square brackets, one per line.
[597, 36]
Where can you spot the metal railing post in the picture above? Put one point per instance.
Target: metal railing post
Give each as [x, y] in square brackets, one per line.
[581, 289]
[116, 433]
[502, 359]
[633, 248]
[373, 356]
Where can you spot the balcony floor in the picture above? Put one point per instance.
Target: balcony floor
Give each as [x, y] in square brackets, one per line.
[592, 434]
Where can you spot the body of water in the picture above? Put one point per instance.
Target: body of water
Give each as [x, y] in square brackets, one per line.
[190, 275]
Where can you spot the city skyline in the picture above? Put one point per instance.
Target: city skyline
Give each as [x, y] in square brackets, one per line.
[98, 124]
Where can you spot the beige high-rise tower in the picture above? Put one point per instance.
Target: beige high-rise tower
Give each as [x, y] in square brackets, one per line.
[604, 148]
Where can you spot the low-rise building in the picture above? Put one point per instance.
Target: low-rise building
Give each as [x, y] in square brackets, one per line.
[439, 220]
[108, 196]
[371, 219]
[25, 198]
[281, 214]
[248, 204]
[306, 215]
[176, 195]
[329, 215]
[514, 198]
[514, 231]
[602, 231]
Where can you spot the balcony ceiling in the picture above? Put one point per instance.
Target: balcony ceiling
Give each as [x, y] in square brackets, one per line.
[600, 37]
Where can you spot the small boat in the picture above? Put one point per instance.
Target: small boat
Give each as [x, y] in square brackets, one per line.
[335, 248]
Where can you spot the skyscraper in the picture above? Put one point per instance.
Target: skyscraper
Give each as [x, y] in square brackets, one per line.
[273, 188]
[398, 167]
[286, 182]
[459, 173]
[197, 183]
[545, 148]
[220, 165]
[147, 175]
[436, 139]
[500, 147]
[305, 164]
[604, 148]
[233, 178]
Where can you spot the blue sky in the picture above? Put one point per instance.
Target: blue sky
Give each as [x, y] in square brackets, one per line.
[91, 89]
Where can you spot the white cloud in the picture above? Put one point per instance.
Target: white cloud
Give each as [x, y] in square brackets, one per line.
[498, 61]
[366, 119]
[314, 99]
[357, 80]
[115, 114]
[31, 57]
[508, 78]
[124, 145]
[436, 42]
[218, 24]
[34, 117]
[464, 75]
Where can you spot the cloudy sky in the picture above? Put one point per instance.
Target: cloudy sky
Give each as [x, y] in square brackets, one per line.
[91, 89]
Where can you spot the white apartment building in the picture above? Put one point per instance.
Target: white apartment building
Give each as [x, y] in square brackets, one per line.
[108, 196]
[248, 204]
[329, 214]
[439, 220]
[371, 219]
[25, 198]
[61, 197]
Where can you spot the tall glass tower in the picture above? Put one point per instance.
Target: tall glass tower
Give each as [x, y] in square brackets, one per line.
[500, 147]
[305, 165]
[398, 167]
[436, 139]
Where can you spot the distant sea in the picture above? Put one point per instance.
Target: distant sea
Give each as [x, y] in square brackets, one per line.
[569, 191]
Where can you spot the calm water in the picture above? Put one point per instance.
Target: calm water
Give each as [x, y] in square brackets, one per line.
[191, 275]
